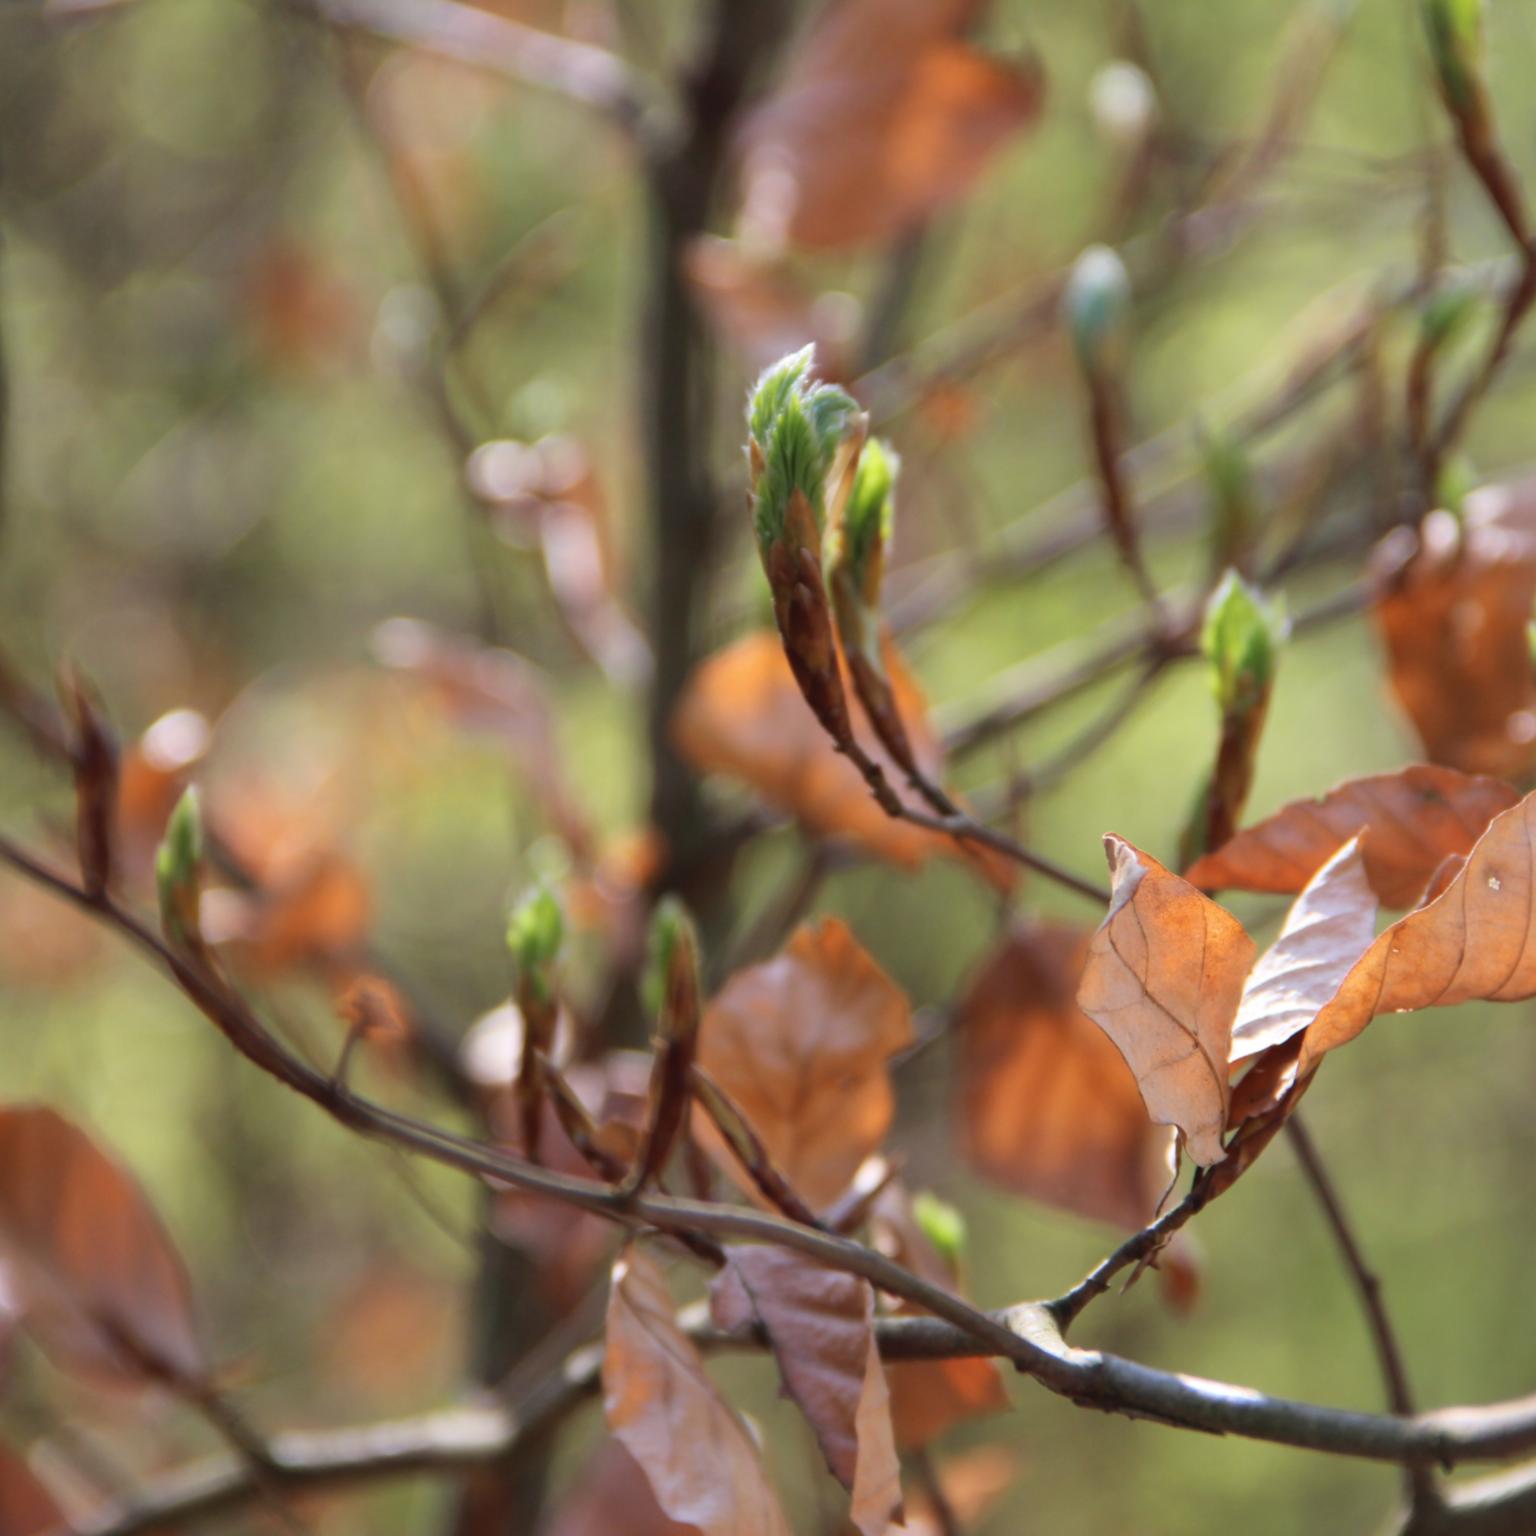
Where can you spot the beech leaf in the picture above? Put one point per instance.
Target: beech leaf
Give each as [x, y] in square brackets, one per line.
[801, 1044]
[742, 715]
[1408, 821]
[26, 1506]
[820, 1325]
[886, 114]
[99, 1283]
[700, 1460]
[1452, 607]
[1476, 940]
[1330, 925]
[1046, 1104]
[1164, 974]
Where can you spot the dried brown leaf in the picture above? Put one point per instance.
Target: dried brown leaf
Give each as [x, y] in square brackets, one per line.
[100, 1284]
[1046, 1104]
[1452, 609]
[1164, 974]
[801, 1044]
[742, 715]
[1476, 940]
[1329, 927]
[696, 1453]
[26, 1506]
[1408, 822]
[886, 114]
[820, 1325]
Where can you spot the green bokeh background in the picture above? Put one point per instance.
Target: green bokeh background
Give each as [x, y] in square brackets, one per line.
[187, 511]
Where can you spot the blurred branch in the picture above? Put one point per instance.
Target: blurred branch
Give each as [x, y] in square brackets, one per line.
[1029, 1335]
[1389, 1355]
[585, 74]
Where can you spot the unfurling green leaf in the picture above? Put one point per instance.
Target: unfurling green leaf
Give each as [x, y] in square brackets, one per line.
[1097, 306]
[1241, 639]
[177, 868]
[1455, 29]
[671, 926]
[535, 932]
[867, 520]
[942, 1224]
[796, 429]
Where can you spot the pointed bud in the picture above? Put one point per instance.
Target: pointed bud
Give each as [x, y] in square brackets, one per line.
[1455, 29]
[1097, 307]
[672, 958]
[1241, 640]
[178, 870]
[94, 757]
[1446, 313]
[1233, 501]
[535, 932]
[943, 1226]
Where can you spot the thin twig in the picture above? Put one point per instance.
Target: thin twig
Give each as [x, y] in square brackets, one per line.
[1389, 1356]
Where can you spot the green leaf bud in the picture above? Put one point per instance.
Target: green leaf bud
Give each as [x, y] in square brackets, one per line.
[1240, 640]
[1097, 307]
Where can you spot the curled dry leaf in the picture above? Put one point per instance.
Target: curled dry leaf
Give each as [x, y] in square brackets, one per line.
[801, 1044]
[1330, 925]
[26, 1506]
[1452, 605]
[1408, 822]
[1476, 940]
[886, 114]
[98, 1281]
[742, 715]
[1164, 974]
[1046, 1104]
[611, 1494]
[820, 1326]
[700, 1460]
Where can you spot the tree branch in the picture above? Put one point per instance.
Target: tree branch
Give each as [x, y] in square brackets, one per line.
[1028, 1335]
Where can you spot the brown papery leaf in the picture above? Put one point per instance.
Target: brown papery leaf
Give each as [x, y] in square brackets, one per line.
[742, 715]
[1452, 609]
[1046, 1104]
[886, 114]
[1164, 974]
[99, 1282]
[697, 1455]
[801, 1043]
[26, 1506]
[1476, 940]
[611, 1495]
[1330, 925]
[820, 1325]
[1408, 821]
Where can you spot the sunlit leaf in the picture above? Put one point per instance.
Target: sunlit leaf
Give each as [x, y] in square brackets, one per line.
[1452, 609]
[801, 1043]
[1330, 925]
[1476, 940]
[1408, 822]
[1164, 974]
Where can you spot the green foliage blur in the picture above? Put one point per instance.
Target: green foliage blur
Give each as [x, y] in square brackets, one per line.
[223, 469]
